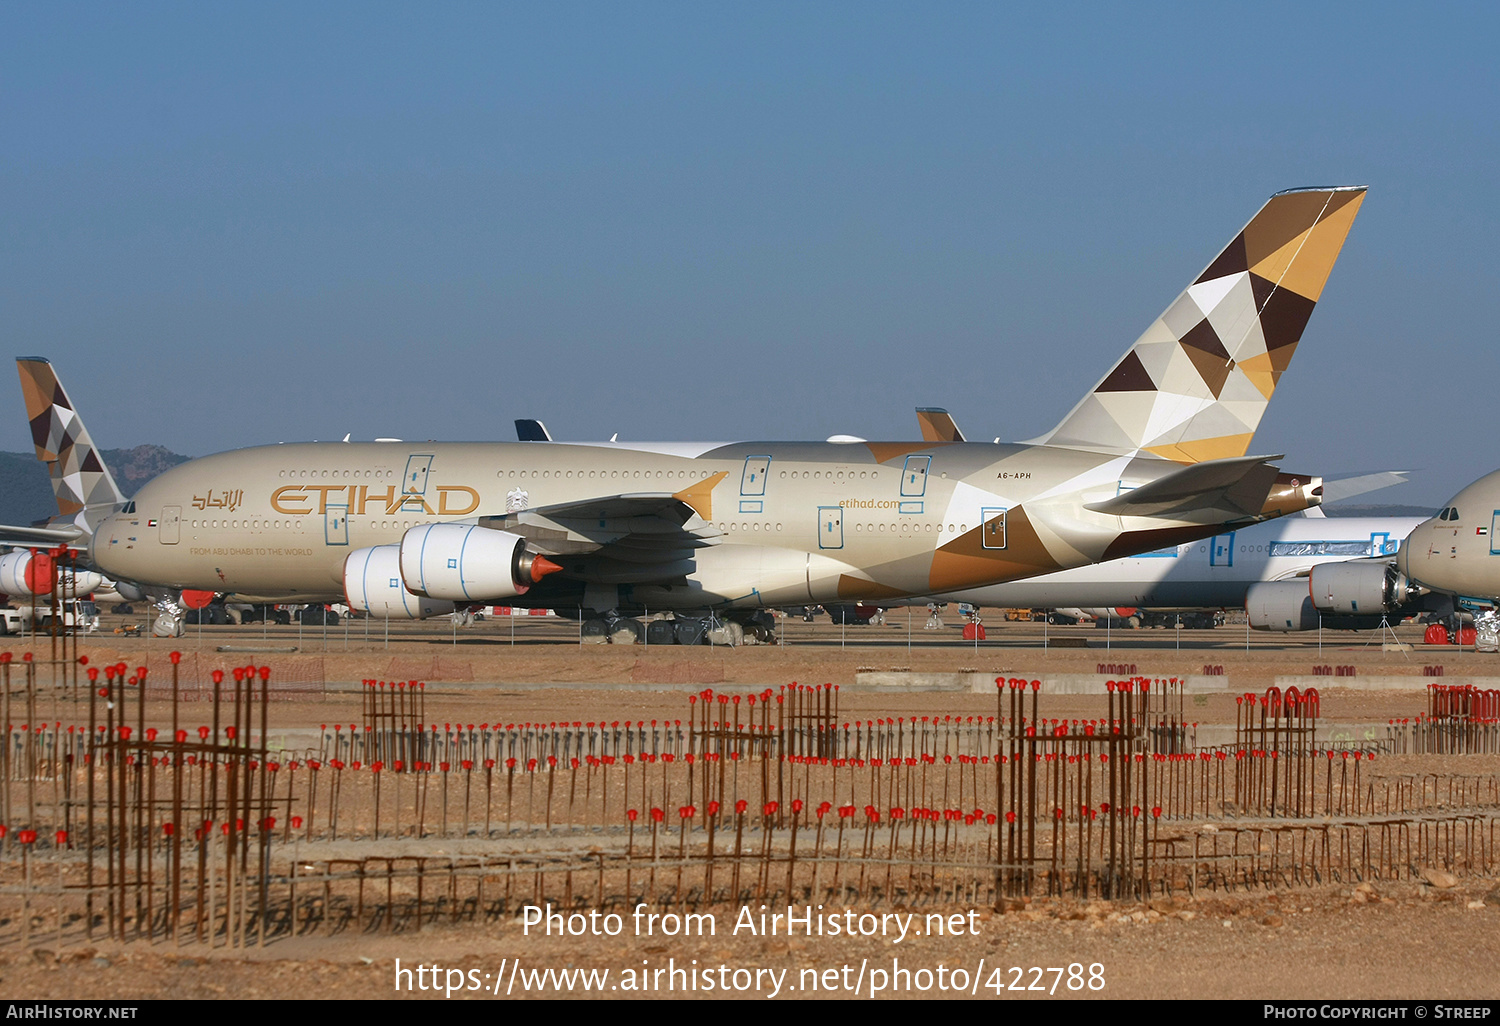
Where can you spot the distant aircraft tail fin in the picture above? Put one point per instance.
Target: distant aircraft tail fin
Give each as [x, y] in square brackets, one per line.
[938, 425]
[79, 476]
[1196, 384]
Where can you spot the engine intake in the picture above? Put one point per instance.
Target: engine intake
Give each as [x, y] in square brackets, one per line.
[372, 584]
[465, 563]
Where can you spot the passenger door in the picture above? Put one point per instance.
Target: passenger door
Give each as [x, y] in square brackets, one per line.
[830, 527]
[171, 524]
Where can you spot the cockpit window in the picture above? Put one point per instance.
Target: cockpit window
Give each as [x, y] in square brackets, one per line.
[129, 507]
[1449, 513]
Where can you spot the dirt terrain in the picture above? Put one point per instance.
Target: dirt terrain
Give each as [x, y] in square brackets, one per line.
[1436, 939]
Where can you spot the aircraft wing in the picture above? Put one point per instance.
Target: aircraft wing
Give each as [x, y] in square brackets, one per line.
[1236, 486]
[632, 537]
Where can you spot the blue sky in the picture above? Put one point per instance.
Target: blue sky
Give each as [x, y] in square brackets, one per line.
[234, 224]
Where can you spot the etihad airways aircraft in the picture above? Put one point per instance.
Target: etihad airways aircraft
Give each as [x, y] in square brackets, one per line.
[1457, 552]
[1153, 455]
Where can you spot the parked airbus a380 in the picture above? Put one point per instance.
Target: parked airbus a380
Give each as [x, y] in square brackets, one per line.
[1155, 454]
[1446, 563]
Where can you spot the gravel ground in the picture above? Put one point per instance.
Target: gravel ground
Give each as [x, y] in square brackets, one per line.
[1401, 940]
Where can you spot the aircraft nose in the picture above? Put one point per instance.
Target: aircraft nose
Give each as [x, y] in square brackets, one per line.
[102, 550]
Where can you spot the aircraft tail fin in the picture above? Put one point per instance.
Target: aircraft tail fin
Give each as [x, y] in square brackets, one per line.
[938, 425]
[79, 476]
[1196, 384]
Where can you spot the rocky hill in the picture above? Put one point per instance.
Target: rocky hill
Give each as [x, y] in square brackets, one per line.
[26, 492]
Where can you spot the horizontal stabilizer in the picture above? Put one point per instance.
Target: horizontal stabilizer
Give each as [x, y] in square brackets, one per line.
[41, 537]
[1349, 487]
[1238, 486]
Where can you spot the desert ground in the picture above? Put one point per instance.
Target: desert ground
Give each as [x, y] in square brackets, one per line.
[1427, 934]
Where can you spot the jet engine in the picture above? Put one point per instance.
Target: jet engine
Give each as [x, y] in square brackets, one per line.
[130, 592]
[1281, 606]
[465, 563]
[20, 574]
[1357, 588]
[1353, 596]
[372, 584]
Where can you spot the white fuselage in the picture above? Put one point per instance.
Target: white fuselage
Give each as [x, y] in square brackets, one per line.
[1210, 574]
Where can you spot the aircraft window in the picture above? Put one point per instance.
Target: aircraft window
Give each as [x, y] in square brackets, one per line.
[857, 527]
[281, 473]
[783, 475]
[929, 528]
[778, 527]
[861, 475]
[1453, 513]
[963, 527]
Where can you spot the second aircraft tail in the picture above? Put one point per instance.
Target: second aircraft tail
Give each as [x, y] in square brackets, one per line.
[79, 476]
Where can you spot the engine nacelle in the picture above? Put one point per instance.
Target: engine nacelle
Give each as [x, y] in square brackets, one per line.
[1357, 589]
[130, 592]
[372, 584]
[465, 563]
[20, 574]
[1281, 606]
